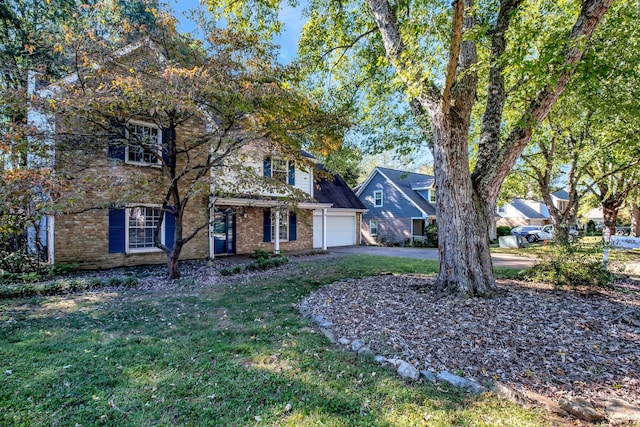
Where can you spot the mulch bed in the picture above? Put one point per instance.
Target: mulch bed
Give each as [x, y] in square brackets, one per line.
[558, 343]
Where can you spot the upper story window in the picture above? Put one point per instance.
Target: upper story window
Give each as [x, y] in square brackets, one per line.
[281, 170]
[377, 198]
[432, 195]
[144, 144]
[501, 209]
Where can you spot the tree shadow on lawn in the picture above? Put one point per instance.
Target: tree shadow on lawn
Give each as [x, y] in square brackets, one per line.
[140, 359]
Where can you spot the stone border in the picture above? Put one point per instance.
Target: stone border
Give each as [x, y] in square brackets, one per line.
[616, 410]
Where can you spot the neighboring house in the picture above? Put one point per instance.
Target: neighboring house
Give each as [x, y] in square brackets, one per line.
[326, 212]
[529, 212]
[399, 205]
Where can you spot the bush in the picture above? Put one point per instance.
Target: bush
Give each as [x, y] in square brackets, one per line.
[503, 230]
[61, 268]
[431, 231]
[572, 265]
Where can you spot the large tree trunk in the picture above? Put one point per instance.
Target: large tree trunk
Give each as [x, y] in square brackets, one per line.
[635, 220]
[463, 218]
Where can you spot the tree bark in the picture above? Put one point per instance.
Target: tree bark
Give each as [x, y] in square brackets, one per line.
[172, 263]
[610, 210]
[635, 220]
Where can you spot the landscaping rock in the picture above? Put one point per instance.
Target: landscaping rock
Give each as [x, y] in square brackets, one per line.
[365, 352]
[322, 322]
[380, 359]
[344, 341]
[430, 376]
[327, 333]
[304, 311]
[508, 393]
[461, 383]
[357, 345]
[581, 408]
[406, 370]
[545, 403]
[619, 410]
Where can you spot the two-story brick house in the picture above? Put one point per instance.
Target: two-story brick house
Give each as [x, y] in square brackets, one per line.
[107, 228]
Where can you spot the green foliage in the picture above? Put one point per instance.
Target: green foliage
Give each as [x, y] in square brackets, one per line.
[28, 284]
[503, 231]
[61, 268]
[431, 231]
[575, 266]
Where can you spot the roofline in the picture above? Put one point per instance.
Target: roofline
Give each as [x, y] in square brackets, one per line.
[403, 193]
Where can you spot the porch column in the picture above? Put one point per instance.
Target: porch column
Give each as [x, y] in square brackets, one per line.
[324, 229]
[212, 237]
[276, 233]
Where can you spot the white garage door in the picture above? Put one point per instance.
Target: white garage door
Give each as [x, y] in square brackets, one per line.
[341, 230]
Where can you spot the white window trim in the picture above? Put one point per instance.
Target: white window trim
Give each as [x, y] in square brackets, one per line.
[432, 195]
[287, 164]
[158, 155]
[283, 216]
[375, 192]
[371, 221]
[126, 232]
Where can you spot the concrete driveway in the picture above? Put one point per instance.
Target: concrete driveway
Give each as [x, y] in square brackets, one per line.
[499, 260]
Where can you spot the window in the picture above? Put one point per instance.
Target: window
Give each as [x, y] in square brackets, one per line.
[377, 198]
[284, 226]
[432, 195]
[141, 226]
[145, 142]
[373, 227]
[501, 209]
[281, 170]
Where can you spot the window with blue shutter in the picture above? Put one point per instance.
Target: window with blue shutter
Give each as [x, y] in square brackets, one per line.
[292, 226]
[267, 226]
[267, 166]
[292, 173]
[169, 228]
[116, 147]
[117, 228]
[168, 142]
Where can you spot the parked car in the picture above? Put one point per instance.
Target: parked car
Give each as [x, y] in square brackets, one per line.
[623, 231]
[548, 233]
[523, 230]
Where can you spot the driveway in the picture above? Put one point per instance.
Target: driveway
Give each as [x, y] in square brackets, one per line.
[499, 260]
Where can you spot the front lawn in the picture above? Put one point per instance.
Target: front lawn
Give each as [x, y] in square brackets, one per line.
[236, 353]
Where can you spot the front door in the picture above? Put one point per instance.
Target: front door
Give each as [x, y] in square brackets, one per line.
[224, 231]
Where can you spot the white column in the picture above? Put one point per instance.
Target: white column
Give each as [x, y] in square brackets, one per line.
[212, 237]
[276, 233]
[324, 229]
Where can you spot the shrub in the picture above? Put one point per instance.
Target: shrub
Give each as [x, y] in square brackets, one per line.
[431, 231]
[503, 230]
[61, 268]
[572, 265]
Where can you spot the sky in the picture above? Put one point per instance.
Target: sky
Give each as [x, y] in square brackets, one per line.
[288, 40]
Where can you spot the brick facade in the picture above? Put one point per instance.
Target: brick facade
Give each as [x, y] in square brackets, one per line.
[250, 231]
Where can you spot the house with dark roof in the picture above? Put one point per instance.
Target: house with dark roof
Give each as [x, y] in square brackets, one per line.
[338, 225]
[399, 205]
[529, 212]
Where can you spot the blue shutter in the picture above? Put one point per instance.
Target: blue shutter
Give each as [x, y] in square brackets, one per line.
[267, 166]
[292, 226]
[116, 231]
[267, 226]
[292, 173]
[168, 141]
[169, 229]
[116, 146]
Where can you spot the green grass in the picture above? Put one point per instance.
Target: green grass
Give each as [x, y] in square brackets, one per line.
[229, 356]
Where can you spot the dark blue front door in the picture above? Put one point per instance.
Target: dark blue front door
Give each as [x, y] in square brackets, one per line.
[224, 231]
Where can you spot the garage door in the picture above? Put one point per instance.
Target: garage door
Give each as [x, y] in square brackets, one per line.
[341, 230]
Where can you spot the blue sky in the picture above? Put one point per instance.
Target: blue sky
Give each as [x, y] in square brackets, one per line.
[287, 41]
